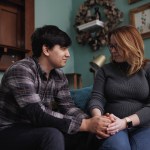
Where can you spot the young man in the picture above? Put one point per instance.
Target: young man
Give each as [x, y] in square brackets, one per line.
[29, 92]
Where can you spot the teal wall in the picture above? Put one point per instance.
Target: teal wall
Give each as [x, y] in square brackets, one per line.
[83, 54]
[1, 74]
[59, 13]
[62, 13]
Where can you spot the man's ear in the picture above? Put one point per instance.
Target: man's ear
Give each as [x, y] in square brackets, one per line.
[45, 50]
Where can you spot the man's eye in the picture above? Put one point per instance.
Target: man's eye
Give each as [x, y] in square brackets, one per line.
[64, 48]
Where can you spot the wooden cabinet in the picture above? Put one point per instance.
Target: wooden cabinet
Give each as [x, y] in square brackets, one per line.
[9, 55]
[11, 26]
[16, 27]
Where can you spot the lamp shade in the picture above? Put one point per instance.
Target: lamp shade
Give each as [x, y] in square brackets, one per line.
[98, 62]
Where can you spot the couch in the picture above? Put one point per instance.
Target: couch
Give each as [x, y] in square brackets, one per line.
[81, 97]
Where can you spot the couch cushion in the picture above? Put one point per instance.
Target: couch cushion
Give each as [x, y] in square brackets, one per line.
[81, 97]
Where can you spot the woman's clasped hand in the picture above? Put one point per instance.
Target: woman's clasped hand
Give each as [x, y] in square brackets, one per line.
[109, 125]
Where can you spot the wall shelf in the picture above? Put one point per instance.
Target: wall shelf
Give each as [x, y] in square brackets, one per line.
[91, 25]
[9, 55]
[5, 48]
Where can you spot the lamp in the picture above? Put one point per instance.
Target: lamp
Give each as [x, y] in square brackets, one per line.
[97, 62]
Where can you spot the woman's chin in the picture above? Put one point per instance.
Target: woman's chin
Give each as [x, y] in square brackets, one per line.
[118, 60]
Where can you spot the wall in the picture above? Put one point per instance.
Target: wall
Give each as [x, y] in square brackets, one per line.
[82, 65]
[63, 15]
[56, 12]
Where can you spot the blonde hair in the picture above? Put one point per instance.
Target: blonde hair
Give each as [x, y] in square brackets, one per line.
[132, 45]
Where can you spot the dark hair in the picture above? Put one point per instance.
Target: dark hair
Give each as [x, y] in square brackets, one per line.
[48, 35]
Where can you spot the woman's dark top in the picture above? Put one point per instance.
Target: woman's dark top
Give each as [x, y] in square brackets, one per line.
[121, 94]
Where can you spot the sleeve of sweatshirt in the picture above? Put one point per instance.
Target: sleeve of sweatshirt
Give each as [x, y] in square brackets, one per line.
[98, 100]
[144, 113]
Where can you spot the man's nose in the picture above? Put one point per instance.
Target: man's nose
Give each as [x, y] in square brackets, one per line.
[67, 53]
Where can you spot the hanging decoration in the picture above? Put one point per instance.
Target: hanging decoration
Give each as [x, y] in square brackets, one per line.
[112, 16]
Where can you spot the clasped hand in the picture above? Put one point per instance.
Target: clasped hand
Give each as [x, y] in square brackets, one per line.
[107, 125]
[116, 125]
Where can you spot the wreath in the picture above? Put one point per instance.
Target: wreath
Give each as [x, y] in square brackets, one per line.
[97, 38]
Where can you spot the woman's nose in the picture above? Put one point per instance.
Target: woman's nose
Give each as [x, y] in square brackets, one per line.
[113, 50]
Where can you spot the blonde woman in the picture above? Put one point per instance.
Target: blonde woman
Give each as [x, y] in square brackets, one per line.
[122, 90]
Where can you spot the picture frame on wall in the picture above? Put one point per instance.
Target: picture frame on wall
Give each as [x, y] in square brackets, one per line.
[133, 1]
[140, 18]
